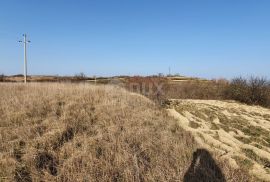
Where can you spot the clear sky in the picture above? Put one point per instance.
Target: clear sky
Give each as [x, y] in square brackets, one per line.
[204, 38]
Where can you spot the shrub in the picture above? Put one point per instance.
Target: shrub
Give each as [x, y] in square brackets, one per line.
[18, 75]
[238, 90]
[254, 90]
[259, 91]
[80, 76]
[2, 78]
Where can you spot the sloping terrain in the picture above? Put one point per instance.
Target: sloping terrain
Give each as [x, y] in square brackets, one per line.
[237, 132]
[79, 132]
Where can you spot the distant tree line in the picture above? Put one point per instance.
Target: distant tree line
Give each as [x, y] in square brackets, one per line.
[255, 90]
[2, 77]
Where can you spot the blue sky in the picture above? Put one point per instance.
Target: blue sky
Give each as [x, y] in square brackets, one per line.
[204, 38]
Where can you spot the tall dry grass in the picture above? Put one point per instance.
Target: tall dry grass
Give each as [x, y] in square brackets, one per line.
[196, 89]
[77, 132]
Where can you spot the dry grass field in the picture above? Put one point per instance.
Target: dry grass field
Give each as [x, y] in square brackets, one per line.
[79, 132]
[238, 132]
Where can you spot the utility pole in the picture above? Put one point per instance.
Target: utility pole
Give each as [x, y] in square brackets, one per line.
[25, 41]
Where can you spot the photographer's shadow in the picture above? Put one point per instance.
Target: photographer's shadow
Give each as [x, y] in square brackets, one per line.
[203, 168]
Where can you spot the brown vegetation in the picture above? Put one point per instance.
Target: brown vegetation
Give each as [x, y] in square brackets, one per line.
[238, 132]
[252, 91]
[196, 89]
[71, 132]
[176, 88]
[2, 77]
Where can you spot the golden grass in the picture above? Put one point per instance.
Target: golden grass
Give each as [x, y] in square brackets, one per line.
[238, 132]
[78, 132]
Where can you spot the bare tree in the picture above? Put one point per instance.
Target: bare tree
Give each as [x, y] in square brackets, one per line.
[255, 90]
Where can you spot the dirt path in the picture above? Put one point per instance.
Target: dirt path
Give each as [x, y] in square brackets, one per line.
[237, 132]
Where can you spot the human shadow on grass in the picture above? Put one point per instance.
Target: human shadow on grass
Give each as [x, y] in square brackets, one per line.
[203, 168]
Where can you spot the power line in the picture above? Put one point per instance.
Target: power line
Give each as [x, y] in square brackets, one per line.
[25, 41]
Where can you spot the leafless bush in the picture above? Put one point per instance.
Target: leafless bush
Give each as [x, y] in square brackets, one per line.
[254, 90]
[2, 77]
[259, 91]
[238, 90]
[80, 76]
